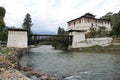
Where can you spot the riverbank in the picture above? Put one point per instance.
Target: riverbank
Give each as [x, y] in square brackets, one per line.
[12, 69]
[9, 63]
[99, 49]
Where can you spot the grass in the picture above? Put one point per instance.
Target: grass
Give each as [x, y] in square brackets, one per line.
[6, 50]
[110, 46]
[113, 46]
[100, 49]
[96, 46]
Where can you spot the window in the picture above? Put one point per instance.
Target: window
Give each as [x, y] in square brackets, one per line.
[91, 24]
[79, 21]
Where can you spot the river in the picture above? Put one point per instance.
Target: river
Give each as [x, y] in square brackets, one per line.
[74, 65]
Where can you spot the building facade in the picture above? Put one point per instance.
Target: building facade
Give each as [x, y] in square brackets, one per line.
[86, 21]
[80, 26]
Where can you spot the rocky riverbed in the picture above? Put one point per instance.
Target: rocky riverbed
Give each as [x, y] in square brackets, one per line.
[11, 69]
[9, 64]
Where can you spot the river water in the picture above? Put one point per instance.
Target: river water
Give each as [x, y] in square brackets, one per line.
[74, 65]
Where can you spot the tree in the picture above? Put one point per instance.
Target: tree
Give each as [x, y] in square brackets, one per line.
[102, 31]
[3, 32]
[93, 32]
[61, 31]
[115, 20]
[2, 14]
[116, 24]
[27, 24]
[107, 16]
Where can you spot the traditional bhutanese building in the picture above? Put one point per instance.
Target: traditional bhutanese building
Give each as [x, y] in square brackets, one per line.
[79, 26]
[86, 21]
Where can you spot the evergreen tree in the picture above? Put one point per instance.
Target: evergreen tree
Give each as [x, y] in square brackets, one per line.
[61, 31]
[3, 32]
[27, 24]
[2, 14]
[116, 24]
[107, 16]
[115, 20]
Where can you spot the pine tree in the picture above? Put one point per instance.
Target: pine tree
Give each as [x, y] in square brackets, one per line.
[3, 33]
[27, 24]
[116, 24]
[2, 14]
[61, 31]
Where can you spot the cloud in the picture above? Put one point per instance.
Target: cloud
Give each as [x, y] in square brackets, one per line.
[48, 15]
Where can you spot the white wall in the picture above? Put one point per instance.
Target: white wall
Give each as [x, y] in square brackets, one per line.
[92, 42]
[17, 39]
[77, 37]
[85, 25]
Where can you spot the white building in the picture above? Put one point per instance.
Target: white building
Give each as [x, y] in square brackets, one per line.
[17, 38]
[86, 21]
[79, 26]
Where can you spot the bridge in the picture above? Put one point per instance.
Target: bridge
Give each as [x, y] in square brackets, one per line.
[36, 38]
[20, 38]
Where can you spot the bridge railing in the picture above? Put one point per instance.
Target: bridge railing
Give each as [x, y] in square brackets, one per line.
[59, 38]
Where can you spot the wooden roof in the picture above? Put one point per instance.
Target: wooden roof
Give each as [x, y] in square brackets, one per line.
[17, 29]
[87, 15]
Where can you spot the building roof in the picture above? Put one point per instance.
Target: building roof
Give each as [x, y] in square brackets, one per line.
[76, 30]
[87, 15]
[17, 29]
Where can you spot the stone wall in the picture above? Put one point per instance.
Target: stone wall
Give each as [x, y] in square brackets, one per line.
[92, 42]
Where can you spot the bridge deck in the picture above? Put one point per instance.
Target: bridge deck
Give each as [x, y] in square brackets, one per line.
[41, 37]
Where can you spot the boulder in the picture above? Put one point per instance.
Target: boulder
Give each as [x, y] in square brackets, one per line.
[37, 74]
[26, 68]
[13, 74]
[45, 77]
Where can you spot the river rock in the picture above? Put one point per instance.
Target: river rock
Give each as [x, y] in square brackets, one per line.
[1, 58]
[37, 74]
[13, 74]
[2, 69]
[45, 77]
[54, 78]
[26, 68]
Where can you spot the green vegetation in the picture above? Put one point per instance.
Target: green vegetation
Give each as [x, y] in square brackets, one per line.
[100, 49]
[110, 46]
[100, 32]
[27, 24]
[61, 31]
[60, 45]
[96, 46]
[56, 44]
[6, 50]
[115, 20]
[113, 46]
[3, 32]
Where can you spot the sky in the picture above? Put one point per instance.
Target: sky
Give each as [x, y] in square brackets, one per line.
[48, 15]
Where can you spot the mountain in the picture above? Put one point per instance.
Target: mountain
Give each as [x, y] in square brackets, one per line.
[44, 32]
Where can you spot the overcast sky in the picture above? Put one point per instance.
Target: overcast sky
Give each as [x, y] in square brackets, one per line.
[48, 15]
